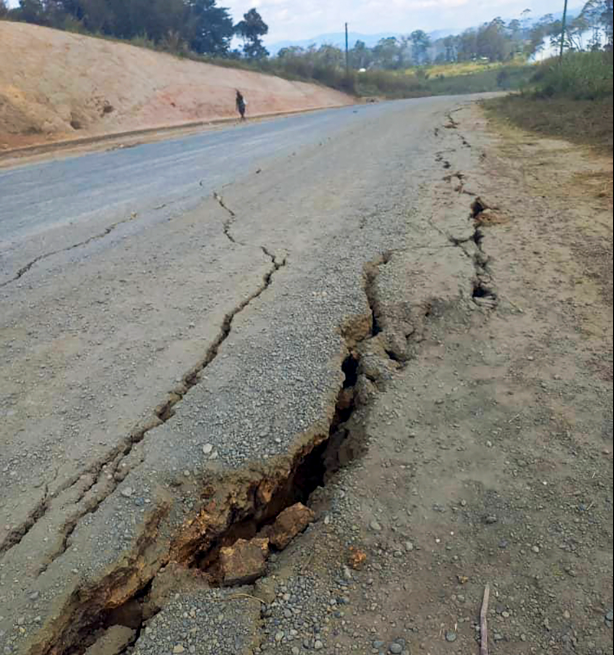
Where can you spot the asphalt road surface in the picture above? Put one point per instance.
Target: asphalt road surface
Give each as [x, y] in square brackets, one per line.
[100, 189]
[176, 312]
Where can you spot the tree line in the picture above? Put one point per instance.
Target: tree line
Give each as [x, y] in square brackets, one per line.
[202, 27]
[198, 26]
[495, 41]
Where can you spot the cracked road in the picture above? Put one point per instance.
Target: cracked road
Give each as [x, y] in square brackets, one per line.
[176, 314]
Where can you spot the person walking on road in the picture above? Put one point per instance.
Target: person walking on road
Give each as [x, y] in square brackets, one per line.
[241, 105]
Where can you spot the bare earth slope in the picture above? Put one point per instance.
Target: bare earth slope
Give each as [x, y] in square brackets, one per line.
[56, 85]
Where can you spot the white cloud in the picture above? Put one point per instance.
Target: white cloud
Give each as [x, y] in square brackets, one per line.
[303, 19]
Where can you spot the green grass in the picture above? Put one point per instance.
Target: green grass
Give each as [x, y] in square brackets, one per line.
[580, 76]
[481, 80]
[572, 100]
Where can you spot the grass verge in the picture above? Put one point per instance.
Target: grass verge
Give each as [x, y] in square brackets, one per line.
[587, 122]
[571, 100]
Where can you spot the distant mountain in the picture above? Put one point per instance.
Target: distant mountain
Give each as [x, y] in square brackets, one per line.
[338, 38]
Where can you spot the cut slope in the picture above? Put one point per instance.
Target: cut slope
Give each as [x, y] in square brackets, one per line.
[57, 85]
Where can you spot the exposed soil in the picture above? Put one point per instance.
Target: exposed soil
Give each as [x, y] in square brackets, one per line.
[60, 86]
[490, 454]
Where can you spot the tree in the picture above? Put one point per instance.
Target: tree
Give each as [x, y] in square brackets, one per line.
[4, 9]
[387, 53]
[252, 28]
[538, 34]
[421, 42]
[31, 11]
[209, 28]
[468, 45]
[493, 42]
[606, 19]
[451, 45]
[361, 56]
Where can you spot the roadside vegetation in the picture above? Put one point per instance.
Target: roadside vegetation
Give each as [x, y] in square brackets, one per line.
[570, 99]
[491, 57]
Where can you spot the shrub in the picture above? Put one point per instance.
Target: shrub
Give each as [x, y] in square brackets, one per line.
[580, 76]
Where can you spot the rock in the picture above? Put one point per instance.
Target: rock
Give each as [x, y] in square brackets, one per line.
[289, 525]
[396, 649]
[244, 563]
[128, 492]
[178, 650]
[610, 616]
[114, 640]
[375, 526]
[491, 520]
[208, 449]
[409, 547]
[451, 637]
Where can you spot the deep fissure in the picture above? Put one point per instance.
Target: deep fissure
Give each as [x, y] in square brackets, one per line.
[164, 412]
[312, 470]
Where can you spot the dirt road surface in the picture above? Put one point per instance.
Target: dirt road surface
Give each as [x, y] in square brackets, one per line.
[402, 321]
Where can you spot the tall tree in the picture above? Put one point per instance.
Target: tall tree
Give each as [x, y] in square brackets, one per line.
[32, 11]
[451, 49]
[252, 28]
[361, 56]
[387, 53]
[4, 9]
[209, 28]
[421, 42]
[493, 42]
[468, 45]
[607, 20]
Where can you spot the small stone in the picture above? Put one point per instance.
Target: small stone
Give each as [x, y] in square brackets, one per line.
[396, 649]
[128, 492]
[536, 549]
[178, 650]
[377, 644]
[208, 449]
[375, 526]
[451, 637]
[491, 520]
[610, 616]
[318, 645]
[409, 547]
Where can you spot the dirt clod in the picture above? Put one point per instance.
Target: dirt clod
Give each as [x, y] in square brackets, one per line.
[244, 563]
[289, 525]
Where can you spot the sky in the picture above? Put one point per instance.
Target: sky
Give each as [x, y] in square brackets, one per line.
[304, 19]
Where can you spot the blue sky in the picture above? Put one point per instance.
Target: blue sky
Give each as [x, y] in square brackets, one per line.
[304, 19]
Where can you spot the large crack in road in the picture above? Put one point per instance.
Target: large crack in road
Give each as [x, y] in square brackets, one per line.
[192, 517]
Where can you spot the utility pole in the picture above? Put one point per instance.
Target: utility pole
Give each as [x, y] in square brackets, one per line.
[564, 32]
[347, 49]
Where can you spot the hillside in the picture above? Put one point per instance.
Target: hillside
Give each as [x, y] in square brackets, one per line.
[58, 85]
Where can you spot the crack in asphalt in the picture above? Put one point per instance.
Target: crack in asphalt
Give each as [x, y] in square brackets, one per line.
[164, 412]
[30, 265]
[230, 221]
